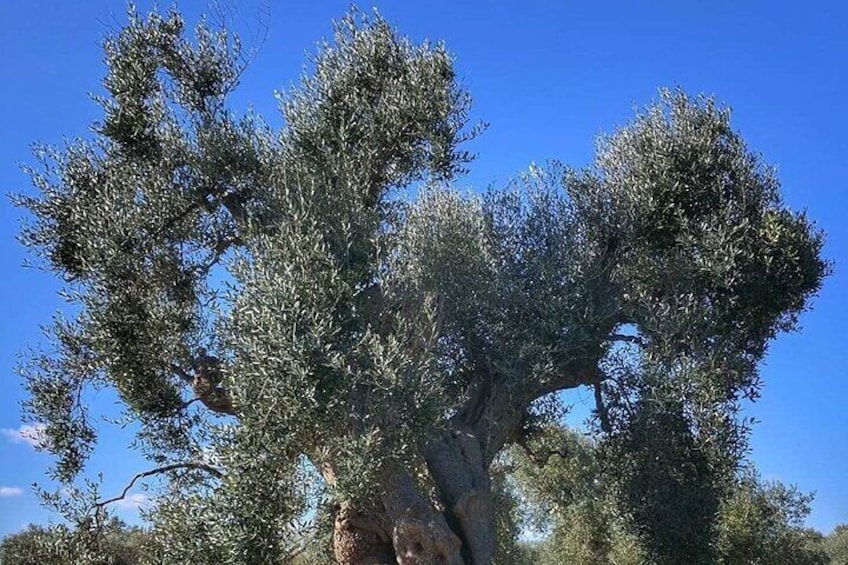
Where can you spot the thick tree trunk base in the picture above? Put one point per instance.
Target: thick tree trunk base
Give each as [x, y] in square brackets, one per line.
[360, 542]
[408, 532]
[459, 469]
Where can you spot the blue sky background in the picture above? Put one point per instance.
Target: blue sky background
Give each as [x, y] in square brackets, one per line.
[549, 77]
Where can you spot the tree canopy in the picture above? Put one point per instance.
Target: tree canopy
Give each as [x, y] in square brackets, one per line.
[316, 313]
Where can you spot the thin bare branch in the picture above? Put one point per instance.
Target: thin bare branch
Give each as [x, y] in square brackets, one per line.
[540, 458]
[601, 409]
[585, 375]
[182, 373]
[196, 465]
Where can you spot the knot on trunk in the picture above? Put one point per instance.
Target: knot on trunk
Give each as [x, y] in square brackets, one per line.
[419, 541]
[358, 540]
[208, 387]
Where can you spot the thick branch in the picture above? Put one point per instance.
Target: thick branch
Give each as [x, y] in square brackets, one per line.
[403, 528]
[419, 533]
[233, 203]
[541, 457]
[586, 374]
[628, 339]
[459, 468]
[205, 381]
[460, 457]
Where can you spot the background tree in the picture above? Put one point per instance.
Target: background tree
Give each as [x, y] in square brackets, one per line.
[666, 484]
[277, 309]
[588, 514]
[115, 544]
[570, 503]
[836, 545]
[763, 523]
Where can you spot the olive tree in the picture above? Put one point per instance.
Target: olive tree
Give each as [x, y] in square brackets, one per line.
[836, 545]
[596, 505]
[114, 544]
[570, 500]
[275, 306]
[762, 522]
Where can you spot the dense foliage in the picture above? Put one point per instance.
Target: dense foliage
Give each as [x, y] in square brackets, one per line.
[552, 491]
[114, 544]
[836, 545]
[588, 517]
[314, 314]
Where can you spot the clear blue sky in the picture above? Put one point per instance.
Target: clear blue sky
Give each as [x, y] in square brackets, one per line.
[548, 76]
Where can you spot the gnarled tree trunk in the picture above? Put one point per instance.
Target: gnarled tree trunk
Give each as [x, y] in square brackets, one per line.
[458, 529]
[461, 474]
[405, 528]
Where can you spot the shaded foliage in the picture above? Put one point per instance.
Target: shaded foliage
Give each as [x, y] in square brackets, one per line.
[666, 484]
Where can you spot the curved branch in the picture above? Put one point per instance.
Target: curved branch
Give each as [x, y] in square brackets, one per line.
[205, 381]
[159, 470]
[540, 458]
[586, 374]
[628, 339]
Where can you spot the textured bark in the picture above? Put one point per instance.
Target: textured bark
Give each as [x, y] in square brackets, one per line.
[406, 529]
[460, 471]
[360, 540]
[420, 535]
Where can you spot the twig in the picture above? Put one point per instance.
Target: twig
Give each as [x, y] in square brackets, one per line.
[541, 458]
[182, 373]
[600, 407]
[188, 403]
